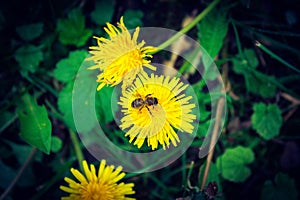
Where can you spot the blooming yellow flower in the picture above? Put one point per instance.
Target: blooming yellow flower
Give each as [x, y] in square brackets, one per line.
[101, 186]
[153, 107]
[120, 58]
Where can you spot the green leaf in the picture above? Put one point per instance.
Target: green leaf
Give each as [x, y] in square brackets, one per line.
[72, 29]
[282, 188]
[104, 104]
[83, 91]
[212, 31]
[232, 164]
[242, 66]
[103, 12]
[266, 120]
[133, 18]
[266, 88]
[30, 31]
[29, 58]
[65, 104]
[35, 124]
[56, 144]
[67, 68]
[259, 83]
[251, 58]
[256, 82]
[66, 71]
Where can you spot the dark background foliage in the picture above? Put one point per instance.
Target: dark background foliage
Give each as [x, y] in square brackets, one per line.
[43, 43]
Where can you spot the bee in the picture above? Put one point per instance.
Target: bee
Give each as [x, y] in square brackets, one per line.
[140, 103]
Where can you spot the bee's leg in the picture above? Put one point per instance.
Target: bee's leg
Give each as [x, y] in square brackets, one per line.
[148, 95]
[141, 108]
[148, 110]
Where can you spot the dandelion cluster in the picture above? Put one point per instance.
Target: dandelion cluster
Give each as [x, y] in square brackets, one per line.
[154, 107]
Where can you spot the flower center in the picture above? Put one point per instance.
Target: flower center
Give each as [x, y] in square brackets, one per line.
[130, 59]
[96, 191]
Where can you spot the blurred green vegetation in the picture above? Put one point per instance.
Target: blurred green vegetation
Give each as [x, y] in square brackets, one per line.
[256, 48]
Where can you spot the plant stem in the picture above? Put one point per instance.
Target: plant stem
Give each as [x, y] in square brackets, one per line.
[188, 27]
[46, 86]
[18, 176]
[41, 84]
[8, 123]
[77, 148]
[238, 42]
[220, 106]
[214, 137]
[266, 50]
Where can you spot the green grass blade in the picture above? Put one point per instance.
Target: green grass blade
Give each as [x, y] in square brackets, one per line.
[273, 55]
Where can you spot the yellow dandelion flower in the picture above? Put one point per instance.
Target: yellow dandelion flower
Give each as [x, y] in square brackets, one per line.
[101, 186]
[153, 107]
[120, 58]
